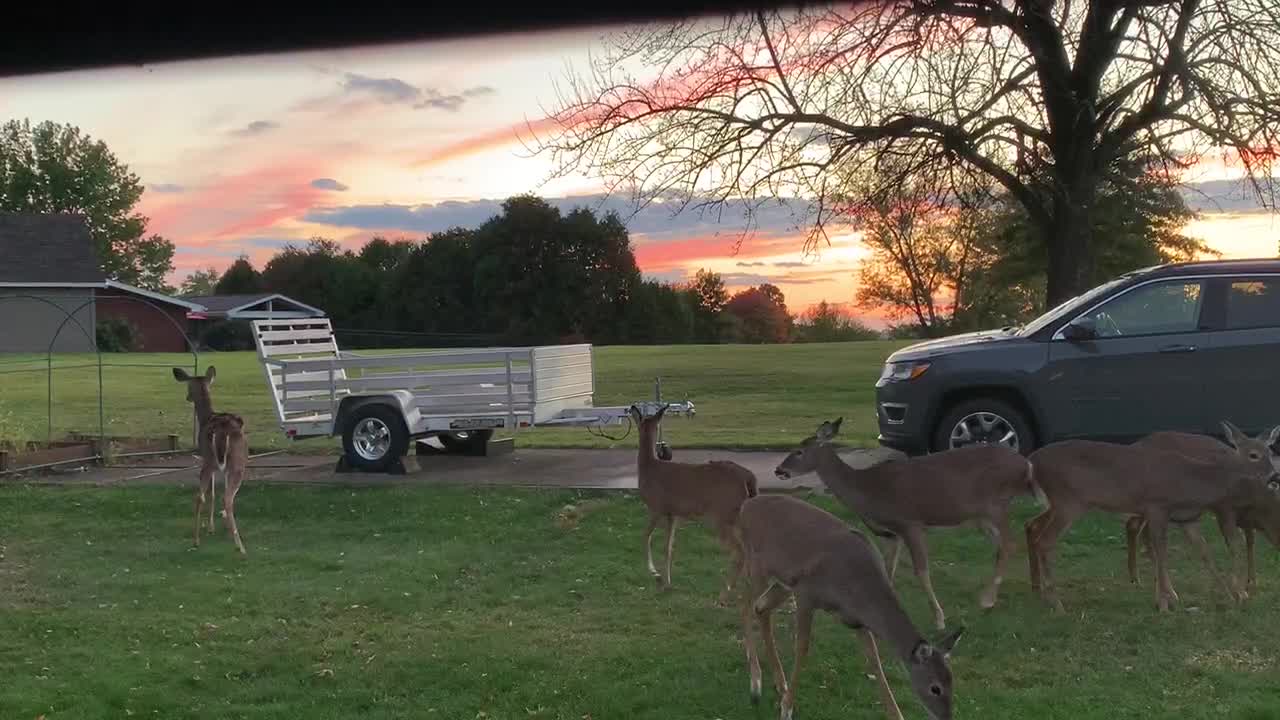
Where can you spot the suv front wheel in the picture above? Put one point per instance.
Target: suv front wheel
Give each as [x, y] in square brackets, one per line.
[984, 421]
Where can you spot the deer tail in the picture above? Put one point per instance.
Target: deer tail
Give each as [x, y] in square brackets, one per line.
[753, 487]
[220, 454]
[1034, 486]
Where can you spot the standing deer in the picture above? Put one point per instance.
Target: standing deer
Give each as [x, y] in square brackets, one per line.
[713, 491]
[1264, 517]
[794, 549]
[224, 450]
[899, 499]
[1074, 476]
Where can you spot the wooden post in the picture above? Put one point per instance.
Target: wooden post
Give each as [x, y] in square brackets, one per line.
[4, 460]
[173, 442]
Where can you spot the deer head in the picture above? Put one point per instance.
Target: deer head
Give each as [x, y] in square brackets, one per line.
[805, 460]
[637, 416]
[931, 674]
[197, 386]
[1255, 453]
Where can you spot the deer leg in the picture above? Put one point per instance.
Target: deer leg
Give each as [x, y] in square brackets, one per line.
[213, 493]
[748, 639]
[997, 528]
[1158, 526]
[920, 561]
[1132, 532]
[771, 599]
[873, 659]
[1227, 524]
[672, 520]
[229, 509]
[804, 625]
[1251, 584]
[206, 481]
[648, 546]
[728, 538]
[895, 552]
[1033, 528]
[1059, 521]
[1192, 531]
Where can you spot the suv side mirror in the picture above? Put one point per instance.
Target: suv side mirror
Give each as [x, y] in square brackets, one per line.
[1082, 328]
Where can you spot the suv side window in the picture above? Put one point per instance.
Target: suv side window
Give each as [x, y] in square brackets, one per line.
[1157, 309]
[1253, 303]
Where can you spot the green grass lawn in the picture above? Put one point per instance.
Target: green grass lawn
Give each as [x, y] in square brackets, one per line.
[766, 396]
[465, 604]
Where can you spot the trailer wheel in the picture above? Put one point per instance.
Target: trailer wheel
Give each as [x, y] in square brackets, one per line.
[465, 441]
[375, 437]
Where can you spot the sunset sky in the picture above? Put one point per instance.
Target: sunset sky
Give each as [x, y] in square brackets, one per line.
[248, 154]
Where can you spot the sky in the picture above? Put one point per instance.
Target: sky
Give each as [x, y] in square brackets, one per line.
[245, 155]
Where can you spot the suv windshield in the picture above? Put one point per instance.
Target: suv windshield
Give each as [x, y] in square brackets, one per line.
[1071, 305]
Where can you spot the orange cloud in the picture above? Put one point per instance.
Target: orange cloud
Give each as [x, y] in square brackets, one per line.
[665, 254]
[491, 140]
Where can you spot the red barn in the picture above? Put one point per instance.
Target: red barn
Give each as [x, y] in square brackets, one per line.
[159, 322]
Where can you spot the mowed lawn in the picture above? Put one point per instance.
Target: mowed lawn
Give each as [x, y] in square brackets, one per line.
[747, 396]
[466, 604]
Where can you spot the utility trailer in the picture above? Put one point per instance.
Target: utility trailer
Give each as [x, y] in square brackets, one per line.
[380, 403]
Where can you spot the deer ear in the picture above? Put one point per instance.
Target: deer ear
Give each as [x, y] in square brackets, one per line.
[635, 413]
[922, 652]
[661, 411]
[1234, 434]
[180, 375]
[1273, 438]
[835, 426]
[947, 644]
[210, 374]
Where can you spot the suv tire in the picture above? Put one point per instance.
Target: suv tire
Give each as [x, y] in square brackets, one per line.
[989, 416]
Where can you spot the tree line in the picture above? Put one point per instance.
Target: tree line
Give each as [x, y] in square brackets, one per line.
[529, 275]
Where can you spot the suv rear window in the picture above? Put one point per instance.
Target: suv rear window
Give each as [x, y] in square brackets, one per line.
[1253, 303]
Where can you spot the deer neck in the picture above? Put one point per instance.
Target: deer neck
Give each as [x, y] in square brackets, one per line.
[884, 617]
[845, 482]
[647, 456]
[204, 407]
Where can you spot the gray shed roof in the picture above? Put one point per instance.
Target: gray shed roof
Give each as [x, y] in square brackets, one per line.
[223, 303]
[47, 248]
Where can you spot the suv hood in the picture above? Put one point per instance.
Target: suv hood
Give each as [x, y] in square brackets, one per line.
[932, 348]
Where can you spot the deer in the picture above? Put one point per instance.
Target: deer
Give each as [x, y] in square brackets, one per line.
[899, 499]
[713, 491]
[224, 450]
[1264, 517]
[795, 550]
[1072, 477]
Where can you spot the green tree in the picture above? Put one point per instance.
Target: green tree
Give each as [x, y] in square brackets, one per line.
[659, 314]
[709, 299]
[432, 288]
[761, 314]
[386, 255]
[324, 275]
[239, 279]
[53, 168]
[201, 283]
[543, 277]
[825, 323]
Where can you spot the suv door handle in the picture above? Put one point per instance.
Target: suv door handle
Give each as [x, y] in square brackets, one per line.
[1178, 348]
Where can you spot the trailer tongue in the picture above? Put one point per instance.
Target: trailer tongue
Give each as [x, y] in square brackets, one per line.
[379, 403]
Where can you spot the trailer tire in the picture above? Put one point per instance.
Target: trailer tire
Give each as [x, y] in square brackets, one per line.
[468, 441]
[375, 437]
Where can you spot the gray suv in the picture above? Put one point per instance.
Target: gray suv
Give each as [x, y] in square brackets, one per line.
[1174, 347]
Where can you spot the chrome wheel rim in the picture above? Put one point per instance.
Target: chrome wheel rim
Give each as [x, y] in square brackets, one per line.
[983, 428]
[372, 439]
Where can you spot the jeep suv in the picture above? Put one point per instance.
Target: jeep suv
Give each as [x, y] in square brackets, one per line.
[1174, 347]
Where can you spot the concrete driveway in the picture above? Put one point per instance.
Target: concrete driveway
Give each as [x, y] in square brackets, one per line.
[602, 469]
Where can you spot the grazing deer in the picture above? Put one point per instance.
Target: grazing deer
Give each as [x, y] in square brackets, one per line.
[1074, 476]
[899, 499]
[224, 450]
[1264, 517]
[794, 549]
[672, 491]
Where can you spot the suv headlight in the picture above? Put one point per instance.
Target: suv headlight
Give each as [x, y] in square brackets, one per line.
[903, 371]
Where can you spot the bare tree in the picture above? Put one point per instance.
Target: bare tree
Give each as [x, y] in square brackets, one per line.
[1042, 98]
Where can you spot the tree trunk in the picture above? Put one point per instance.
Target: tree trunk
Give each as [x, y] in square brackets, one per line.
[1068, 239]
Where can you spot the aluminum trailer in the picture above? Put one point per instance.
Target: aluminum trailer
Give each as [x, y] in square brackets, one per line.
[380, 403]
